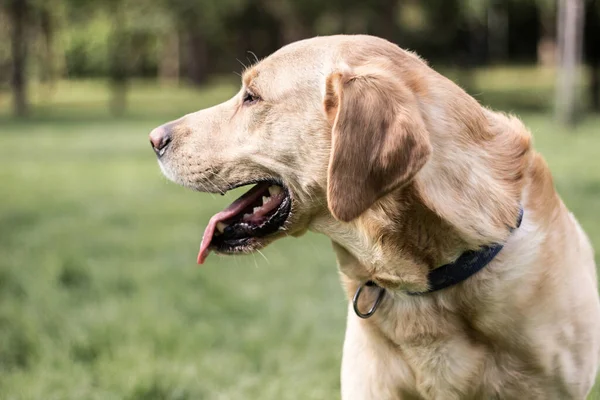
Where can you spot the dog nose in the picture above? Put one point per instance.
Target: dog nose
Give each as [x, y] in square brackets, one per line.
[159, 139]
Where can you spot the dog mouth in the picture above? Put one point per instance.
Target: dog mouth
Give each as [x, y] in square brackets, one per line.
[261, 211]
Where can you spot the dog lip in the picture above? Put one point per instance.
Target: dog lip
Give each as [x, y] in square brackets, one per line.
[272, 181]
[223, 190]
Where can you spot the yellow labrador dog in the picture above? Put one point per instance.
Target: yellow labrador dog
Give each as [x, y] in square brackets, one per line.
[467, 276]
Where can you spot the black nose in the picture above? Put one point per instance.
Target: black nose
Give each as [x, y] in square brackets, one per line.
[160, 139]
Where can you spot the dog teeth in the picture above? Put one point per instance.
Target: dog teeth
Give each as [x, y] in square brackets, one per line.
[274, 190]
[247, 216]
[256, 209]
[266, 199]
[221, 226]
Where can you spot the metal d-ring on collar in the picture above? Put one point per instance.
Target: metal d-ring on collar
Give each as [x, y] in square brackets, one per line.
[374, 306]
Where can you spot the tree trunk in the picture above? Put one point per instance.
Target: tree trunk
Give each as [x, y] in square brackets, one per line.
[570, 29]
[497, 33]
[18, 10]
[168, 67]
[49, 69]
[197, 56]
[293, 29]
[595, 85]
[546, 48]
[48, 73]
[466, 58]
[386, 22]
[119, 60]
[592, 52]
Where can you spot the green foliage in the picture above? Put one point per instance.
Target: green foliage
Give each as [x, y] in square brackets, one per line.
[130, 38]
[86, 46]
[208, 15]
[4, 51]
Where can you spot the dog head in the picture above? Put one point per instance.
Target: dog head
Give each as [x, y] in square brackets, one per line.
[328, 130]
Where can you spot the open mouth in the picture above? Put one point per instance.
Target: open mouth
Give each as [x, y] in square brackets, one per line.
[261, 211]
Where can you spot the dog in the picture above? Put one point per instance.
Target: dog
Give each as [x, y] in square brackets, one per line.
[408, 175]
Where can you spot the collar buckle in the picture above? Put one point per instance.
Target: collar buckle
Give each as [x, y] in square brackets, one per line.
[375, 304]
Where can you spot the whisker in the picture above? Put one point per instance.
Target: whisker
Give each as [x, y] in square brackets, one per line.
[243, 65]
[227, 183]
[263, 256]
[207, 181]
[255, 57]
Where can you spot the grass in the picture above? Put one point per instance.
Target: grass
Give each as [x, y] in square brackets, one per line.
[100, 297]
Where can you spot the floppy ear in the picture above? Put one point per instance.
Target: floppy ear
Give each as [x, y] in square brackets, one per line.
[379, 141]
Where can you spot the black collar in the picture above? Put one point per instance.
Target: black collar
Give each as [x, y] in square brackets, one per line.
[467, 265]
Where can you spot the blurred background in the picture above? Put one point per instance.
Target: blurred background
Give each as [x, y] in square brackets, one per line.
[99, 294]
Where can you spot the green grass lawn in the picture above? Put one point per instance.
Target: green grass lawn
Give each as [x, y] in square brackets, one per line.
[100, 297]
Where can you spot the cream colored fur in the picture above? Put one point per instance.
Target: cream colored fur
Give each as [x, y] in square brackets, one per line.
[423, 174]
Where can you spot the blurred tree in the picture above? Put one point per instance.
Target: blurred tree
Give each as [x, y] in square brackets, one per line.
[169, 57]
[118, 56]
[201, 23]
[120, 39]
[546, 49]
[137, 27]
[295, 17]
[18, 12]
[387, 26]
[497, 27]
[254, 30]
[196, 42]
[5, 58]
[376, 17]
[570, 35]
[49, 13]
[471, 35]
[592, 51]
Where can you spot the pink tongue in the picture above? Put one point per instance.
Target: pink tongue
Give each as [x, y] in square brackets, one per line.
[235, 208]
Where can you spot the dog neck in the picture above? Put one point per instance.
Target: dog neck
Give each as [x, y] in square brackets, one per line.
[395, 243]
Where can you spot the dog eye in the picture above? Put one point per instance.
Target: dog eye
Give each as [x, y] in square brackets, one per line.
[250, 99]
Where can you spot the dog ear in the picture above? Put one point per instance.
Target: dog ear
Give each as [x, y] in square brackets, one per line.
[379, 140]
